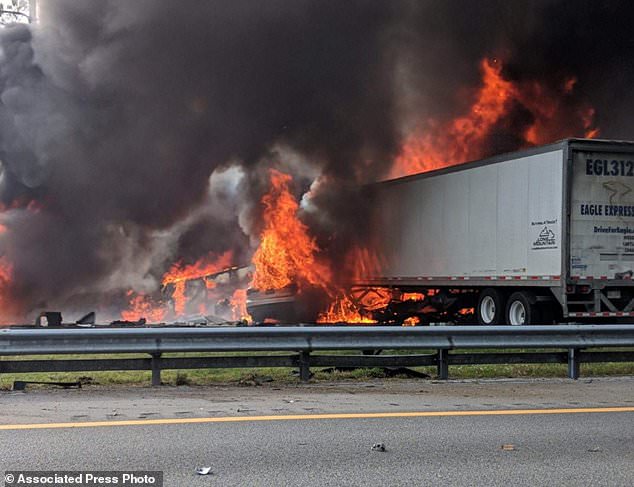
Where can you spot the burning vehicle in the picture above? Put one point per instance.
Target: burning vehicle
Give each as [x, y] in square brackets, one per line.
[279, 306]
[251, 171]
[194, 294]
[476, 239]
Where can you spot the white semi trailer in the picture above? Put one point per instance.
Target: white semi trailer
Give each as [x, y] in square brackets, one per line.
[541, 235]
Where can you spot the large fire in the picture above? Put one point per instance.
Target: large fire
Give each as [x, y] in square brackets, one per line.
[360, 262]
[142, 306]
[287, 253]
[175, 280]
[435, 145]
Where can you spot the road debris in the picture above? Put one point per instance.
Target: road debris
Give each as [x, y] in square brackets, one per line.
[20, 385]
[49, 318]
[378, 447]
[508, 447]
[594, 450]
[204, 471]
[87, 319]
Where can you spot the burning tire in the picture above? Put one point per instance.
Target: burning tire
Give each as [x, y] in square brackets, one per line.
[490, 309]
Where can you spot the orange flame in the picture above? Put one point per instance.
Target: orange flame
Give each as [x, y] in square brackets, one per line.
[461, 139]
[287, 253]
[179, 274]
[411, 321]
[343, 310]
[141, 306]
[239, 306]
[438, 145]
[412, 297]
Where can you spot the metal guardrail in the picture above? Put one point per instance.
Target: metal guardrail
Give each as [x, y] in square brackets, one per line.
[307, 339]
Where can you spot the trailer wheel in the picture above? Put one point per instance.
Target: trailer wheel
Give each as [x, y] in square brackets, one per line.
[522, 309]
[490, 309]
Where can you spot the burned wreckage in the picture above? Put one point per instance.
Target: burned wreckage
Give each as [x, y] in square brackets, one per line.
[542, 235]
[538, 236]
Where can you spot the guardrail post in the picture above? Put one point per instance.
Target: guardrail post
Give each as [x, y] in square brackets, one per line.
[443, 364]
[573, 363]
[304, 366]
[156, 369]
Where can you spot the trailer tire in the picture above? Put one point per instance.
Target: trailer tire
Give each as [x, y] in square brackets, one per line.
[522, 309]
[491, 306]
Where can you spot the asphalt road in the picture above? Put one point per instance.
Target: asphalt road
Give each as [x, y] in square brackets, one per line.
[472, 433]
[117, 403]
[562, 449]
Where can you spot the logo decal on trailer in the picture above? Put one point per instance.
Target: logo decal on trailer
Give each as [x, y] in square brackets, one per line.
[545, 240]
[617, 190]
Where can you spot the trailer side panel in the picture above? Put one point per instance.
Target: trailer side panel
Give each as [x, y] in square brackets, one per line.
[501, 220]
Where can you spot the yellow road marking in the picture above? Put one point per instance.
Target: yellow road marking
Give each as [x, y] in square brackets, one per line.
[294, 417]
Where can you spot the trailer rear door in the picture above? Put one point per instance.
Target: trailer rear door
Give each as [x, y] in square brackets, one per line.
[602, 215]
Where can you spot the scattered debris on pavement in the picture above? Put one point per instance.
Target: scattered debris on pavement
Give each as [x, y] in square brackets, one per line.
[378, 447]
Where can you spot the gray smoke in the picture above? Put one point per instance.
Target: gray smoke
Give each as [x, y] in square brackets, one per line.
[144, 129]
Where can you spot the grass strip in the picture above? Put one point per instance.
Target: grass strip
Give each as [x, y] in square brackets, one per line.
[258, 376]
